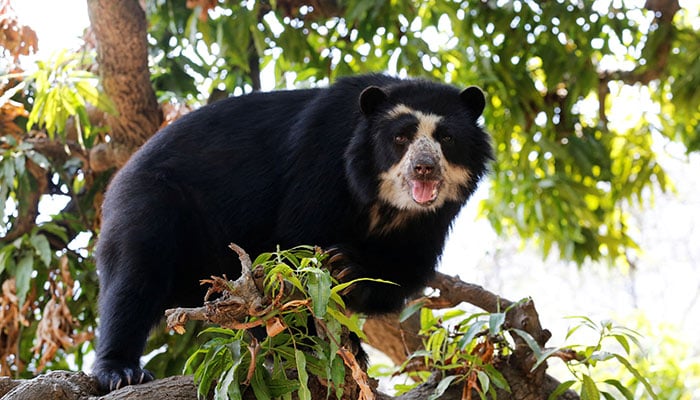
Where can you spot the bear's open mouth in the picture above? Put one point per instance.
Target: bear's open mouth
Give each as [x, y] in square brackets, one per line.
[424, 192]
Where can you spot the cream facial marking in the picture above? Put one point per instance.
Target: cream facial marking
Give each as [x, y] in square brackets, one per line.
[427, 122]
[380, 224]
[406, 189]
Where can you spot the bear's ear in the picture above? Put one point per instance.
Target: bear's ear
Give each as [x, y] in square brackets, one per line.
[473, 97]
[370, 98]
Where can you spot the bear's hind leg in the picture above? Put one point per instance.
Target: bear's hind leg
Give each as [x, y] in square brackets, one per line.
[138, 258]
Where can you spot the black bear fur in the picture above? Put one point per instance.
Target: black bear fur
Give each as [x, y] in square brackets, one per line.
[315, 166]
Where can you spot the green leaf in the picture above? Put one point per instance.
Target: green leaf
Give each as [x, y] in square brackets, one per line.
[496, 321]
[223, 387]
[279, 386]
[620, 387]
[412, 308]
[601, 356]
[543, 357]
[211, 368]
[622, 339]
[23, 276]
[258, 383]
[352, 323]
[607, 395]
[87, 88]
[338, 375]
[54, 229]
[435, 344]
[537, 351]
[563, 387]
[427, 319]
[41, 247]
[637, 375]
[442, 387]
[6, 257]
[338, 288]
[497, 378]
[219, 331]
[589, 390]
[319, 289]
[484, 380]
[469, 335]
[304, 392]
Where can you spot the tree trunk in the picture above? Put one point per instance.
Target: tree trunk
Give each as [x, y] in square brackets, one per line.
[122, 54]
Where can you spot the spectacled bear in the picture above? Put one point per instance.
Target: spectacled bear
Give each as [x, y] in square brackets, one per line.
[374, 167]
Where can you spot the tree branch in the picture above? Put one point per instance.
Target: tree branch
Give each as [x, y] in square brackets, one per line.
[664, 11]
[122, 54]
[28, 208]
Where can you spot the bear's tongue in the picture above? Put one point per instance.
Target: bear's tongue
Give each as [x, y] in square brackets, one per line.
[424, 191]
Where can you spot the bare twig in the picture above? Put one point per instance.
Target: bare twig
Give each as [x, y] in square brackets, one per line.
[26, 219]
[240, 298]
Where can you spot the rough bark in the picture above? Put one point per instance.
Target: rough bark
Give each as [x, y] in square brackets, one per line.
[122, 54]
[62, 385]
[395, 339]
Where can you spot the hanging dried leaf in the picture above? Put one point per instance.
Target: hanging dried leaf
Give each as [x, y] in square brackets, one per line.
[57, 327]
[17, 39]
[9, 111]
[12, 318]
[358, 374]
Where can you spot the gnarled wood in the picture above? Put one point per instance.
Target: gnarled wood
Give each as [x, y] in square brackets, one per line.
[122, 54]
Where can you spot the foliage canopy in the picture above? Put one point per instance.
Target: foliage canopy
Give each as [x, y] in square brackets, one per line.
[568, 164]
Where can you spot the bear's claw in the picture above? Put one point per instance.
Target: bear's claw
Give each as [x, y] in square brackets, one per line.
[110, 379]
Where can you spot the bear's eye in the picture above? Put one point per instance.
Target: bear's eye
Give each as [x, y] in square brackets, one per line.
[400, 139]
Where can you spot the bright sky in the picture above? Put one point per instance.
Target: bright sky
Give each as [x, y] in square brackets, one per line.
[59, 24]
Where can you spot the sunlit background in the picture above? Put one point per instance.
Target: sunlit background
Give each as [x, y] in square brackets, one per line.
[663, 286]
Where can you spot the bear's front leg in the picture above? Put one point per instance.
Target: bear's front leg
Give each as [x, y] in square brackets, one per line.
[365, 296]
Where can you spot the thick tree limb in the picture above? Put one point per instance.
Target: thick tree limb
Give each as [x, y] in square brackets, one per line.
[122, 54]
[525, 383]
[58, 385]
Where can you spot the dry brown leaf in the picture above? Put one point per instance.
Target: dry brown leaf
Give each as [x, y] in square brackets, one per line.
[358, 375]
[12, 318]
[17, 39]
[172, 112]
[205, 5]
[254, 349]
[274, 326]
[8, 112]
[57, 326]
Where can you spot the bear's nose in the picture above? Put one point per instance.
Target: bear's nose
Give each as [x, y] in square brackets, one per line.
[424, 169]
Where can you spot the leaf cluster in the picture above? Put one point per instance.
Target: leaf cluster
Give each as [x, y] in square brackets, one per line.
[589, 360]
[564, 175]
[466, 352]
[306, 329]
[62, 88]
[52, 277]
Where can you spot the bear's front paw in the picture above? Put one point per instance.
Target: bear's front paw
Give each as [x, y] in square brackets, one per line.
[341, 267]
[115, 376]
[365, 295]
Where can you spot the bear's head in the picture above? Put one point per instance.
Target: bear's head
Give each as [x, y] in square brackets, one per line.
[419, 146]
